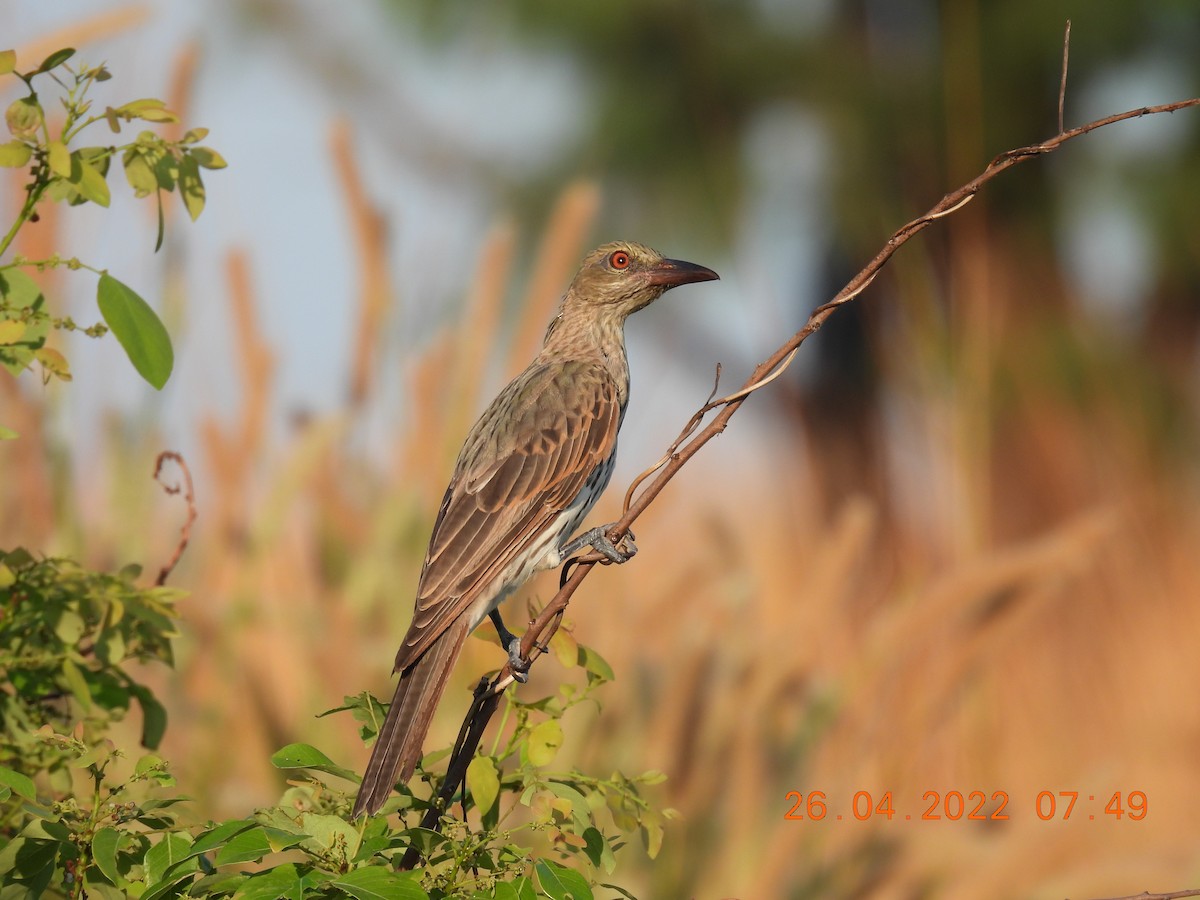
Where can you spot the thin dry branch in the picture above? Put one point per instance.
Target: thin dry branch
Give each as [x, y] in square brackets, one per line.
[487, 696]
[189, 497]
[1062, 85]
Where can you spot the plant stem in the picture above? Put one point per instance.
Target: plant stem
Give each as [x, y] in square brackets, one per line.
[31, 199]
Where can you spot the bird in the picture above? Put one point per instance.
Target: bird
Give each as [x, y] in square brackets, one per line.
[530, 470]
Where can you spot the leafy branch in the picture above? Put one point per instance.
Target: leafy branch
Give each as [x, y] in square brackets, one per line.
[59, 172]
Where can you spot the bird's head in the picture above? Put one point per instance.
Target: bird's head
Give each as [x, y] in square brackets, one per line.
[624, 277]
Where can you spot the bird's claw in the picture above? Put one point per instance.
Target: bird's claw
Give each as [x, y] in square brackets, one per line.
[516, 662]
[511, 643]
[597, 538]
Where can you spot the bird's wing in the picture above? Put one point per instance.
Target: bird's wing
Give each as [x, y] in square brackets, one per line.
[522, 465]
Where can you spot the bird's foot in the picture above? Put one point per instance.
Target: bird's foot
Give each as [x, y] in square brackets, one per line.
[511, 643]
[597, 538]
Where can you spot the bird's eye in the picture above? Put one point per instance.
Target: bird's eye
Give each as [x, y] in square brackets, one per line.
[619, 260]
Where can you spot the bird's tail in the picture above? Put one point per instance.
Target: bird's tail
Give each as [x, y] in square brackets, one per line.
[398, 746]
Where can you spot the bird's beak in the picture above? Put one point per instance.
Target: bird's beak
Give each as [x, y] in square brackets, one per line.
[671, 273]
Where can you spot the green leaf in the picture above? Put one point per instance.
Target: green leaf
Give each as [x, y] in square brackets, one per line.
[518, 889]
[332, 833]
[220, 835]
[597, 849]
[579, 803]
[138, 328]
[544, 741]
[21, 785]
[154, 717]
[110, 646]
[282, 881]
[378, 883]
[484, 782]
[77, 683]
[98, 890]
[136, 109]
[560, 883]
[281, 839]
[248, 845]
[59, 158]
[305, 756]
[91, 183]
[652, 833]
[172, 849]
[157, 114]
[162, 228]
[14, 154]
[105, 844]
[8, 61]
[25, 301]
[7, 434]
[139, 174]
[11, 330]
[32, 859]
[54, 60]
[191, 187]
[152, 766]
[54, 363]
[207, 157]
[70, 626]
[595, 664]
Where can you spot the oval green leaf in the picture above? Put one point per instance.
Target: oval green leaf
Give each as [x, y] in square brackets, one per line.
[484, 782]
[378, 883]
[77, 683]
[14, 154]
[105, 843]
[55, 59]
[139, 330]
[11, 330]
[21, 785]
[154, 718]
[560, 883]
[91, 183]
[59, 158]
[139, 174]
[8, 61]
[305, 756]
[544, 741]
[207, 157]
[191, 187]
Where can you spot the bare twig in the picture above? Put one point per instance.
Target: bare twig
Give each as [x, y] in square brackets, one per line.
[687, 431]
[1062, 86]
[1146, 895]
[683, 449]
[189, 497]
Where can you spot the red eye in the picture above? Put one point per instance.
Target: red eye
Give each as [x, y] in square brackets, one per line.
[619, 260]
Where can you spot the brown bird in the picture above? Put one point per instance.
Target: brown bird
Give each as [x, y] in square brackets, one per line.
[530, 470]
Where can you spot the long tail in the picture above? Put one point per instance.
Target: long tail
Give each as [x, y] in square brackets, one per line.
[398, 746]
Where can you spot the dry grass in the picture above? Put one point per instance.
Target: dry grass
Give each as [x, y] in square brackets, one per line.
[1027, 623]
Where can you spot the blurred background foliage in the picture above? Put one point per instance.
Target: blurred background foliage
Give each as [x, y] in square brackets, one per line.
[953, 549]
